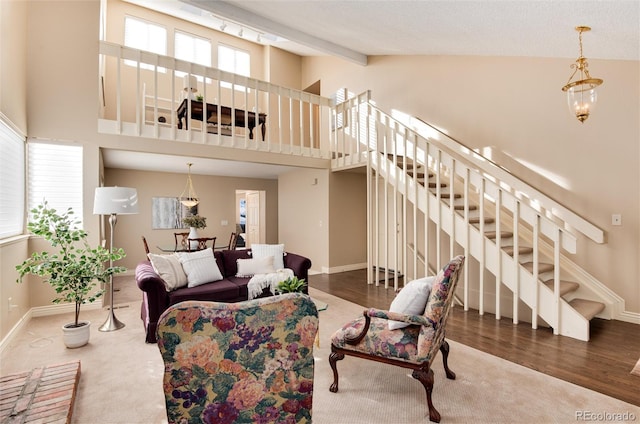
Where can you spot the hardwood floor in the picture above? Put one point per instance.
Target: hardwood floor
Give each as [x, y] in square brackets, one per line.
[603, 364]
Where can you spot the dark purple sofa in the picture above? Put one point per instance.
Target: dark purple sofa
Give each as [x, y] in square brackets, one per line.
[155, 298]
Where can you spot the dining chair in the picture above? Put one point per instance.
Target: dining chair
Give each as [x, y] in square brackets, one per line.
[181, 241]
[201, 243]
[146, 246]
[233, 241]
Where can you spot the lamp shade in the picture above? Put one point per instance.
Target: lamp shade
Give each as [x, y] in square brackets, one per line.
[115, 200]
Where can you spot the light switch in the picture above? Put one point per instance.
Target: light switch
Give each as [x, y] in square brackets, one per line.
[224, 222]
[616, 219]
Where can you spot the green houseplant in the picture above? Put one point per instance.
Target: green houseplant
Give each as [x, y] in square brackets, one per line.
[291, 285]
[195, 221]
[74, 270]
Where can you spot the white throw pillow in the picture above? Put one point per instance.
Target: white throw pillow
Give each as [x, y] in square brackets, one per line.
[251, 267]
[259, 251]
[169, 268]
[200, 267]
[411, 300]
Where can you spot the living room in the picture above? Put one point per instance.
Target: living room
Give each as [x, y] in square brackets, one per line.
[50, 79]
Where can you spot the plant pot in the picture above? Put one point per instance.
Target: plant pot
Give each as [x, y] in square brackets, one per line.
[193, 234]
[76, 336]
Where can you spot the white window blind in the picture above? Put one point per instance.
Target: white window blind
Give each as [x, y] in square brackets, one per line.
[55, 175]
[192, 49]
[143, 35]
[12, 182]
[234, 60]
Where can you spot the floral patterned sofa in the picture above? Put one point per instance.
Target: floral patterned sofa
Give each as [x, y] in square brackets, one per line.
[249, 361]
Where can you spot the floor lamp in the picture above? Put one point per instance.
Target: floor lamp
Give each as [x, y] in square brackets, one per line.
[114, 201]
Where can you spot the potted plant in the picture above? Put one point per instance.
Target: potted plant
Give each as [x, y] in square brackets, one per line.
[291, 285]
[74, 270]
[194, 222]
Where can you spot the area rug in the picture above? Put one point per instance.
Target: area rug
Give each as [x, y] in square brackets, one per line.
[636, 369]
[121, 380]
[487, 389]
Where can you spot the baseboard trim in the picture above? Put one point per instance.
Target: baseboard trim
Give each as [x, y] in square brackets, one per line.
[626, 316]
[343, 268]
[42, 311]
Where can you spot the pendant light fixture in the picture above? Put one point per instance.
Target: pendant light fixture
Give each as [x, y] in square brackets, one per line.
[581, 94]
[188, 197]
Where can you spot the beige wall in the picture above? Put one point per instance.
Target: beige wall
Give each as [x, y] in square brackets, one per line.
[13, 107]
[347, 220]
[217, 203]
[303, 214]
[516, 105]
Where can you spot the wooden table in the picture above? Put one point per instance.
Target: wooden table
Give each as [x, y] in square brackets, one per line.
[225, 114]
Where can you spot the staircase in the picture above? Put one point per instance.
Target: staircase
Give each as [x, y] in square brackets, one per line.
[428, 193]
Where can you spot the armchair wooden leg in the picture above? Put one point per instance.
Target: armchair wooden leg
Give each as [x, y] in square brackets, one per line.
[333, 358]
[426, 378]
[444, 348]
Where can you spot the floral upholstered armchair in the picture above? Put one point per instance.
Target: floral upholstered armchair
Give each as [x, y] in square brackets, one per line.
[239, 362]
[413, 346]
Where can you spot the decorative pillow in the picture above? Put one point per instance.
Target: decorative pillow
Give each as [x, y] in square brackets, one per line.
[168, 267]
[259, 251]
[411, 300]
[250, 267]
[200, 267]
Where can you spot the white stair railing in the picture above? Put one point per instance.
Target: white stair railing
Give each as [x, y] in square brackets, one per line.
[491, 200]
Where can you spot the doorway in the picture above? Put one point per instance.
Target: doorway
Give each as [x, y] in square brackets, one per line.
[250, 217]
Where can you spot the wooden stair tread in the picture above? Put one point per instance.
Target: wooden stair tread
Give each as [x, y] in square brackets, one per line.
[522, 250]
[565, 286]
[542, 267]
[503, 234]
[476, 220]
[448, 195]
[587, 308]
[461, 207]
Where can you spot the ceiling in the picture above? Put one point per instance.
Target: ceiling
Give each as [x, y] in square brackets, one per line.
[356, 29]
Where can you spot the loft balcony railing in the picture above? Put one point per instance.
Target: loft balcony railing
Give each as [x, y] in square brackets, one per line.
[141, 93]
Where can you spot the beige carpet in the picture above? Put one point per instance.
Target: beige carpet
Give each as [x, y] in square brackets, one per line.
[121, 380]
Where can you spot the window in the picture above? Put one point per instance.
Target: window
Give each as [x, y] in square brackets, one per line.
[234, 60]
[55, 175]
[192, 49]
[143, 35]
[11, 182]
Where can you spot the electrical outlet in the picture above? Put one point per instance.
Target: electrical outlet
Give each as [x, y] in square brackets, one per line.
[616, 219]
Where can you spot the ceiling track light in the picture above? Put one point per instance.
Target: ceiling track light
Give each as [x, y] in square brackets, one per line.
[241, 32]
[581, 94]
[223, 26]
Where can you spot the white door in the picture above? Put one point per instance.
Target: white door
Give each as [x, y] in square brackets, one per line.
[254, 228]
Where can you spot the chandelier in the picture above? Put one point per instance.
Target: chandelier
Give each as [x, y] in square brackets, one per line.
[188, 197]
[581, 94]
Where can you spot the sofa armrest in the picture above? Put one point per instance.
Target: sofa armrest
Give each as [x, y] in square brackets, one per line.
[155, 298]
[298, 264]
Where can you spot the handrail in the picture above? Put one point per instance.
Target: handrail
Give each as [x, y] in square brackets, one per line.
[515, 184]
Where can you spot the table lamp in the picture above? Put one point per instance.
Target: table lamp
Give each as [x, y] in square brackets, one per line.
[114, 201]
